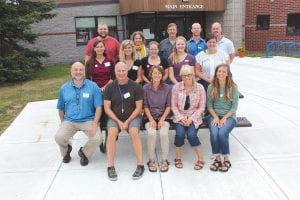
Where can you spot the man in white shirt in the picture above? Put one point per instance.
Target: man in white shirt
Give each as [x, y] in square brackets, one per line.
[223, 43]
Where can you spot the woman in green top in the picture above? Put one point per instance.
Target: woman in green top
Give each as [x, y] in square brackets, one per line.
[222, 103]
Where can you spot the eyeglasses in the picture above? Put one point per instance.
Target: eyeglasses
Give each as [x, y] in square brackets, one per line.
[187, 75]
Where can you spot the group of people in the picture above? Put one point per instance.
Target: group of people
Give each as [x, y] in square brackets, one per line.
[118, 82]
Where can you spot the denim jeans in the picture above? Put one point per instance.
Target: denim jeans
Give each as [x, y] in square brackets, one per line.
[219, 137]
[191, 133]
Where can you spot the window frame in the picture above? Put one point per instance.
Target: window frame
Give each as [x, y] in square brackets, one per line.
[261, 20]
[84, 34]
[296, 31]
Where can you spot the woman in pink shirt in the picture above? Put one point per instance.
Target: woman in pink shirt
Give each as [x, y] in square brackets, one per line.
[188, 104]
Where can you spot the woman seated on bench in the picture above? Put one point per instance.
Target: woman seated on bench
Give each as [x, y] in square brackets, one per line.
[222, 103]
[157, 106]
[188, 104]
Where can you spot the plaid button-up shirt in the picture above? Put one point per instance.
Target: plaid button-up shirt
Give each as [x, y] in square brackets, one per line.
[197, 103]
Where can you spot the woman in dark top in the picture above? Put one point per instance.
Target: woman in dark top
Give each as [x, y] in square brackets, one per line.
[127, 55]
[99, 68]
[153, 59]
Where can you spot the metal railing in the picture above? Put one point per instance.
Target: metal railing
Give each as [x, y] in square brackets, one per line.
[285, 48]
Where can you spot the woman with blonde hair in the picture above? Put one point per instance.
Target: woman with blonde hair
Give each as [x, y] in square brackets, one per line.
[188, 104]
[178, 58]
[157, 106]
[139, 41]
[222, 103]
[127, 55]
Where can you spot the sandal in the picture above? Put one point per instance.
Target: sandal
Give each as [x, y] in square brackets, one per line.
[199, 165]
[225, 166]
[216, 165]
[164, 167]
[151, 166]
[178, 163]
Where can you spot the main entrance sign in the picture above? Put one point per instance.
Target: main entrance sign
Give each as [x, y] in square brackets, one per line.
[138, 6]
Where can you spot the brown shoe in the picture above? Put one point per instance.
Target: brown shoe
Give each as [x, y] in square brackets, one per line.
[83, 159]
[67, 157]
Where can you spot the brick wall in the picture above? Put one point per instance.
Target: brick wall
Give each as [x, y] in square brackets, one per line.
[232, 20]
[255, 40]
[58, 36]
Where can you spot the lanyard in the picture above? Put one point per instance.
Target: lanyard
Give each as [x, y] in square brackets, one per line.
[122, 96]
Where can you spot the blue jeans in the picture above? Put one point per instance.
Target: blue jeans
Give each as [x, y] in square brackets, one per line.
[219, 137]
[191, 133]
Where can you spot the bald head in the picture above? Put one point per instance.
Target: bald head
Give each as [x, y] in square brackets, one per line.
[77, 64]
[78, 71]
[216, 29]
[196, 29]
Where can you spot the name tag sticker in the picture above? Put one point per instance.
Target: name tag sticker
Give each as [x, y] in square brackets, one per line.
[126, 95]
[85, 95]
[107, 64]
[134, 67]
[186, 60]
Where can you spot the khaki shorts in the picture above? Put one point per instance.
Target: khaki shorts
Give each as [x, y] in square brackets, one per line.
[135, 123]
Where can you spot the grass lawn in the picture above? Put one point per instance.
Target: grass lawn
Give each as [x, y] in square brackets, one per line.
[43, 86]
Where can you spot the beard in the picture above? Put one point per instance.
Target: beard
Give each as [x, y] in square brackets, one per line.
[77, 78]
[103, 35]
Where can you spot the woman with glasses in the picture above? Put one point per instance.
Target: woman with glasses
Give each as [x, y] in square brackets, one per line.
[188, 104]
[222, 103]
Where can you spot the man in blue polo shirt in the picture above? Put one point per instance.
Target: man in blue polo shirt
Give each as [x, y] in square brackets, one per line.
[79, 108]
[196, 44]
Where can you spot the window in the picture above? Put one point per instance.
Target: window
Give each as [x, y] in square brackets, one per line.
[86, 28]
[293, 24]
[262, 22]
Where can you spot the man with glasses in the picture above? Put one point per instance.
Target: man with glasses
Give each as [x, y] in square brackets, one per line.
[79, 108]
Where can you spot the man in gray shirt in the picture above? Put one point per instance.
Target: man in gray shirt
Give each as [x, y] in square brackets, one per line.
[166, 45]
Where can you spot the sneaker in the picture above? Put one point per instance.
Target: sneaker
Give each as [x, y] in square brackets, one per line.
[138, 172]
[83, 159]
[67, 157]
[112, 174]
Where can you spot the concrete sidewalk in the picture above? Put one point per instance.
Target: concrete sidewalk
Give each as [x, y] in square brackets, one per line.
[265, 157]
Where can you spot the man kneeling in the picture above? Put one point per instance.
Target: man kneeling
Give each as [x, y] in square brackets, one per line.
[79, 108]
[123, 105]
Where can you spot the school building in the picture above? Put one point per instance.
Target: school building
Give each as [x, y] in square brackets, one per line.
[66, 35]
[276, 20]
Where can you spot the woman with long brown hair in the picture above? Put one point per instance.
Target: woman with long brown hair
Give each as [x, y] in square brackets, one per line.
[222, 103]
[99, 68]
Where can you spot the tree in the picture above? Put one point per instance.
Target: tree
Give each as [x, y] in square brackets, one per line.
[18, 62]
